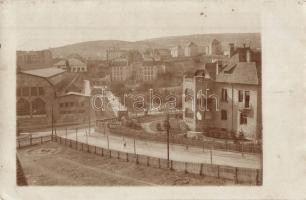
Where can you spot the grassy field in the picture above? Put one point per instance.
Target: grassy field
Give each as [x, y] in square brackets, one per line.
[53, 164]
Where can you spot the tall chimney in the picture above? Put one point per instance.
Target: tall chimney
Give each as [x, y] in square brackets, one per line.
[87, 90]
[232, 48]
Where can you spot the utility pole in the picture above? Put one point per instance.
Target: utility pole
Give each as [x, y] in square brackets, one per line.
[52, 121]
[107, 141]
[134, 146]
[168, 132]
[89, 115]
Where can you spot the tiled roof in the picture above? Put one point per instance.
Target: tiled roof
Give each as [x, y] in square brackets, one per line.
[45, 72]
[242, 72]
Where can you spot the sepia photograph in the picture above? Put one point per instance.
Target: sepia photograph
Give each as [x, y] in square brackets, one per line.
[152, 99]
[177, 105]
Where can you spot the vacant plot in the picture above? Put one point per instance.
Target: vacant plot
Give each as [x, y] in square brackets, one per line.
[53, 164]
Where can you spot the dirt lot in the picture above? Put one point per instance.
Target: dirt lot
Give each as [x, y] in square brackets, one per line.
[54, 164]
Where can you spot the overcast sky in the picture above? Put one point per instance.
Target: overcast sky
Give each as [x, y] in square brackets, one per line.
[42, 25]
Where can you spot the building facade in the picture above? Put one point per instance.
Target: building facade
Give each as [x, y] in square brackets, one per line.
[234, 97]
[215, 48]
[120, 69]
[177, 51]
[191, 49]
[27, 60]
[38, 95]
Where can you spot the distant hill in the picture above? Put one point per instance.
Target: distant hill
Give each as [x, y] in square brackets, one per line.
[97, 49]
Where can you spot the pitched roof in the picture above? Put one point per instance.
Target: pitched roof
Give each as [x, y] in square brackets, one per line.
[242, 72]
[45, 72]
[74, 61]
[60, 63]
[191, 44]
[210, 69]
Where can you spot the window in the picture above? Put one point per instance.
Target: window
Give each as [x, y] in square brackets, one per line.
[34, 91]
[223, 115]
[41, 91]
[224, 94]
[71, 104]
[61, 105]
[25, 91]
[66, 104]
[247, 99]
[18, 92]
[23, 107]
[38, 107]
[240, 95]
[243, 118]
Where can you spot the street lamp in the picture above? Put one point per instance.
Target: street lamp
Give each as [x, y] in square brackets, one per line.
[167, 125]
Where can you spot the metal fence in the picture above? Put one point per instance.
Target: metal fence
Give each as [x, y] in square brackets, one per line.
[236, 174]
[180, 140]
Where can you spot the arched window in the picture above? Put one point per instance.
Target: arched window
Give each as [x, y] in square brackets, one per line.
[23, 107]
[38, 107]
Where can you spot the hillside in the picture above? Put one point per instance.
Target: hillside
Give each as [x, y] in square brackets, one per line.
[97, 49]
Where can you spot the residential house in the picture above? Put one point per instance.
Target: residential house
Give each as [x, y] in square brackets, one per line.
[191, 49]
[215, 48]
[177, 51]
[235, 88]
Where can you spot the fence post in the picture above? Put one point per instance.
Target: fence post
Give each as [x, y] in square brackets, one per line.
[201, 169]
[158, 162]
[218, 167]
[148, 164]
[236, 175]
[31, 139]
[60, 140]
[118, 155]
[82, 146]
[110, 153]
[95, 150]
[102, 153]
[137, 161]
[127, 157]
[70, 143]
[18, 144]
[242, 149]
[210, 155]
[185, 167]
[257, 176]
[171, 164]
[41, 140]
[87, 147]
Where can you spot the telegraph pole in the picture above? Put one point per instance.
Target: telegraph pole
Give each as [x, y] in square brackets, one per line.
[168, 132]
